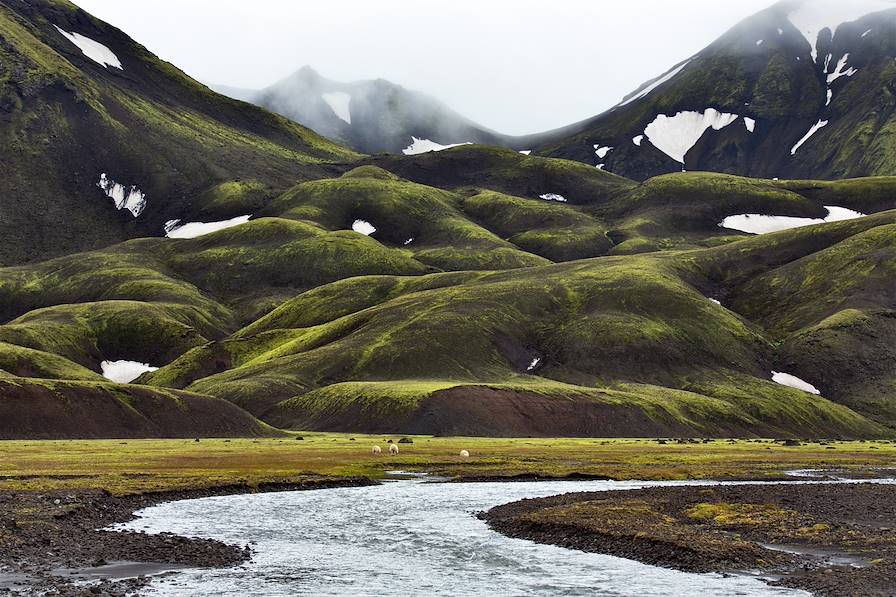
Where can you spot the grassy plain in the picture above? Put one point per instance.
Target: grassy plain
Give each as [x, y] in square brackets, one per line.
[136, 466]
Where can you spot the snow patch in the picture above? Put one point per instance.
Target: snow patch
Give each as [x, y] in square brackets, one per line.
[763, 224]
[174, 229]
[131, 199]
[812, 17]
[759, 43]
[662, 79]
[364, 227]
[409, 241]
[637, 140]
[124, 371]
[815, 128]
[602, 152]
[526, 151]
[553, 197]
[92, 49]
[418, 146]
[535, 362]
[600, 166]
[792, 381]
[716, 301]
[867, 32]
[339, 102]
[780, 31]
[750, 123]
[676, 135]
[839, 72]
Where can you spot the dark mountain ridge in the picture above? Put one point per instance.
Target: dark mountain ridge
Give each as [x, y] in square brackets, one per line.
[67, 118]
[370, 116]
[782, 70]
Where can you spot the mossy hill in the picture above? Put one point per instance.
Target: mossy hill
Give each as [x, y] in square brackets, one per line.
[764, 69]
[65, 120]
[496, 294]
[505, 314]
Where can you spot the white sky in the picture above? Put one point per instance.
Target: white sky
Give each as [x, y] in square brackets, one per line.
[517, 66]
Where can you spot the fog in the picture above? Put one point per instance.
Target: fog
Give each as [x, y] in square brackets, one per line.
[517, 66]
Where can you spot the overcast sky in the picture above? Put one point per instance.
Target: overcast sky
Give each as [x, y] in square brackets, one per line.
[517, 66]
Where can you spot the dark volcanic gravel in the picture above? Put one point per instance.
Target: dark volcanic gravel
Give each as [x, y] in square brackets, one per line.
[846, 534]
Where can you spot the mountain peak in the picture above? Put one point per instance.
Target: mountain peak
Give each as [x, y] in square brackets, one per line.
[812, 18]
[307, 72]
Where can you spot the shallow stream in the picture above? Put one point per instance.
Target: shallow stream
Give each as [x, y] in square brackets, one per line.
[408, 537]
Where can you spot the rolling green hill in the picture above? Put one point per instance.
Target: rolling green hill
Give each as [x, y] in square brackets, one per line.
[471, 291]
[506, 314]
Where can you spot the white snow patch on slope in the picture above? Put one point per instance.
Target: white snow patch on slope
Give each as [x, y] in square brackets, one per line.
[425, 145]
[637, 140]
[810, 17]
[526, 151]
[815, 128]
[602, 152]
[93, 49]
[174, 229]
[759, 42]
[763, 224]
[839, 72]
[662, 79]
[131, 199]
[676, 135]
[750, 124]
[792, 381]
[553, 197]
[867, 32]
[364, 227]
[339, 103]
[535, 362]
[124, 371]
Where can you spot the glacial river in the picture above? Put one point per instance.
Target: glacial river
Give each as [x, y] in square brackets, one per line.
[407, 538]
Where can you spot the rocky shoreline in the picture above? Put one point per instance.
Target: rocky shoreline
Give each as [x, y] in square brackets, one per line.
[832, 540]
[49, 540]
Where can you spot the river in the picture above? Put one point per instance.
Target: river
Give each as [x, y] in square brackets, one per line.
[407, 537]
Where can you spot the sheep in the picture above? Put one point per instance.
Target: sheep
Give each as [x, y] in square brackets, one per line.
[464, 454]
[377, 450]
[393, 449]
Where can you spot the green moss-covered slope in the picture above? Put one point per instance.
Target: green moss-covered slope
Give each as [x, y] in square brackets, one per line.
[305, 323]
[65, 120]
[764, 69]
[500, 294]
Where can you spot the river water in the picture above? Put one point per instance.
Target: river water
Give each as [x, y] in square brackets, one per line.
[407, 538]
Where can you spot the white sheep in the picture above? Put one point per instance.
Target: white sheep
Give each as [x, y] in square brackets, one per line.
[377, 450]
[464, 454]
[393, 449]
